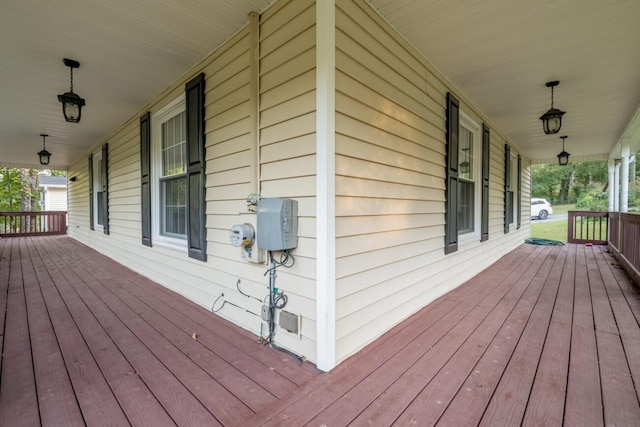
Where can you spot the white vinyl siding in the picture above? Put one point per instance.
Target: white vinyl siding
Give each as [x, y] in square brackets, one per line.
[390, 156]
[55, 199]
[287, 148]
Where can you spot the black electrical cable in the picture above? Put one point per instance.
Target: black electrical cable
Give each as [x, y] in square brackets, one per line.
[224, 302]
[246, 295]
[215, 302]
[285, 257]
[300, 359]
[286, 261]
[280, 300]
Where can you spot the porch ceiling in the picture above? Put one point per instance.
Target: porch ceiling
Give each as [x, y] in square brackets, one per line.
[499, 53]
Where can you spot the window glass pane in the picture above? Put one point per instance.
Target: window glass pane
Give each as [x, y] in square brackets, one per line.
[100, 206]
[174, 207]
[174, 146]
[465, 206]
[465, 156]
[510, 214]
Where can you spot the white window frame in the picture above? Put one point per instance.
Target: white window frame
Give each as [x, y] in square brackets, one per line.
[174, 108]
[476, 130]
[96, 168]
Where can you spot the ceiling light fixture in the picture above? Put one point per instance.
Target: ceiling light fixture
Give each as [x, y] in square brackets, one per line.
[71, 103]
[552, 119]
[44, 155]
[563, 157]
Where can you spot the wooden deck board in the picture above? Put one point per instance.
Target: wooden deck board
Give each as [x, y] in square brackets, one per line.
[157, 360]
[154, 359]
[546, 336]
[453, 358]
[5, 259]
[509, 400]
[93, 393]
[394, 362]
[231, 343]
[476, 392]
[133, 395]
[18, 388]
[625, 301]
[56, 398]
[584, 394]
[513, 283]
[602, 313]
[546, 400]
[620, 403]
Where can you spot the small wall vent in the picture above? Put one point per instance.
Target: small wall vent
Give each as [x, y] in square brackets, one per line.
[289, 322]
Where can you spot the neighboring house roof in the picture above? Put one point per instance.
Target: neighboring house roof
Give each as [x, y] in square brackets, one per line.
[52, 181]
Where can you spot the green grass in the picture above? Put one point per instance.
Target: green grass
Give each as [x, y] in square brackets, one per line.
[563, 209]
[553, 230]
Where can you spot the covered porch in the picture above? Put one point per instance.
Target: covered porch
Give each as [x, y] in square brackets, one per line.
[548, 335]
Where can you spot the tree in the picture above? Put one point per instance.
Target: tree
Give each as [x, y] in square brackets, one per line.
[588, 173]
[551, 182]
[18, 191]
[567, 184]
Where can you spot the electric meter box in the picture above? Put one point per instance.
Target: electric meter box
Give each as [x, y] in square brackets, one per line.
[242, 235]
[277, 224]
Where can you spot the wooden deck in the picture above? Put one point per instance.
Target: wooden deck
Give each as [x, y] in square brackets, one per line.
[546, 336]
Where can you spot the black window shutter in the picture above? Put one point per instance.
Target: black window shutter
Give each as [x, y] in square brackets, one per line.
[196, 227]
[91, 225]
[451, 191]
[104, 183]
[519, 191]
[508, 195]
[145, 177]
[486, 151]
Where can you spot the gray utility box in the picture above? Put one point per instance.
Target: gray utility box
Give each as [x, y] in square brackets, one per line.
[277, 224]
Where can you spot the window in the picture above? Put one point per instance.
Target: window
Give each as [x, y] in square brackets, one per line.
[99, 190]
[169, 172]
[512, 189]
[173, 190]
[513, 195]
[469, 177]
[98, 193]
[172, 173]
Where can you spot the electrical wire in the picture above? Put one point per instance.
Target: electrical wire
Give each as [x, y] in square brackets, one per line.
[280, 300]
[245, 294]
[216, 301]
[277, 300]
[286, 261]
[224, 302]
[300, 359]
[285, 257]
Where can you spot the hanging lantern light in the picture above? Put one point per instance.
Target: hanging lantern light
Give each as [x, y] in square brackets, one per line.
[44, 155]
[552, 119]
[563, 157]
[71, 103]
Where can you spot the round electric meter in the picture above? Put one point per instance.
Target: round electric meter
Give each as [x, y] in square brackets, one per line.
[242, 235]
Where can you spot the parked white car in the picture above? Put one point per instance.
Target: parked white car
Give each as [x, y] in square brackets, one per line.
[540, 208]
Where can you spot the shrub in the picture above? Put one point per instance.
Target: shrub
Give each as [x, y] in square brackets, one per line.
[594, 201]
